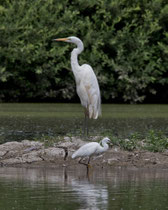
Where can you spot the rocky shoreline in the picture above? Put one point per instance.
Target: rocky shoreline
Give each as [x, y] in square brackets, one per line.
[35, 154]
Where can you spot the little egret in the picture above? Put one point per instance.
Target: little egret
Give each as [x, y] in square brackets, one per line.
[91, 149]
[87, 86]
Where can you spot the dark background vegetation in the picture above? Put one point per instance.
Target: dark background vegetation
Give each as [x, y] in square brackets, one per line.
[126, 43]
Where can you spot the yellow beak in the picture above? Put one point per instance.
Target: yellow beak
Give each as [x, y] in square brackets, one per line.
[61, 39]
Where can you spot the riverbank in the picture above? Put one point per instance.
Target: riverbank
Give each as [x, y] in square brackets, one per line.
[36, 154]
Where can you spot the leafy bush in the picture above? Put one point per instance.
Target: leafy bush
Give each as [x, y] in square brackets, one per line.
[156, 141]
[125, 42]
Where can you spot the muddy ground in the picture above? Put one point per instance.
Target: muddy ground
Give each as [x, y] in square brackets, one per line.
[36, 154]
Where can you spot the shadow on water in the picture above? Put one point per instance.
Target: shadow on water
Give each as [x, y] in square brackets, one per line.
[72, 189]
[29, 121]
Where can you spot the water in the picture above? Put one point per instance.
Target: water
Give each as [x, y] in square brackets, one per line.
[73, 188]
[117, 189]
[33, 121]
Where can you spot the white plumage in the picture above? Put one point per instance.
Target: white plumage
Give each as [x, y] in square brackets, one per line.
[91, 149]
[88, 91]
[87, 86]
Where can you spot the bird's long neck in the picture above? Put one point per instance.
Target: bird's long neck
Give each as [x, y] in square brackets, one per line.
[74, 57]
[104, 146]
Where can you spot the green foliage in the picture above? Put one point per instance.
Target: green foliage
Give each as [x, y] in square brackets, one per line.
[128, 144]
[154, 141]
[125, 42]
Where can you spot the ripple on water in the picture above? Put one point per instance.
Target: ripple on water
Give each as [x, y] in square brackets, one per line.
[122, 188]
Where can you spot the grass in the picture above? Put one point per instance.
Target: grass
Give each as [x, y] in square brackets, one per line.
[129, 126]
[153, 141]
[75, 110]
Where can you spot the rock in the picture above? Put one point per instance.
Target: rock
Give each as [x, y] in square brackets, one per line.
[32, 157]
[32, 145]
[165, 152]
[67, 138]
[11, 146]
[27, 143]
[34, 152]
[72, 143]
[2, 153]
[116, 149]
[112, 161]
[12, 161]
[12, 153]
[52, 154]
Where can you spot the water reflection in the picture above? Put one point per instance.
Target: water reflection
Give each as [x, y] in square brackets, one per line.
[71, 188]
[90, 195]
[75, 186]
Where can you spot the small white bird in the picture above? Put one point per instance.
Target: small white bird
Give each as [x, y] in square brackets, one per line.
[91, 149]
[87, 86]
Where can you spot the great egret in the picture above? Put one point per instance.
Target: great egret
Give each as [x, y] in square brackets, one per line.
[86, 82]
[91, 149]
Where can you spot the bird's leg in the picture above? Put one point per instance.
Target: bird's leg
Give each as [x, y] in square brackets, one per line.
[88, 168]
[80, 162]
[86, 129]
[88, 164]
[66, 153]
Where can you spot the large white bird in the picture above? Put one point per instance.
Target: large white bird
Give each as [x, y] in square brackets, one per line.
[86, 82]
[91, 149]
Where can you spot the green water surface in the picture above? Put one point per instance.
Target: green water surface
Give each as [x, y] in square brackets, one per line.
[65, 189]
[19, 121]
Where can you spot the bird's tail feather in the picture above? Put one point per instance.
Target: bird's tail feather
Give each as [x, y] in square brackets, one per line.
[94, 111]
[73, 155]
